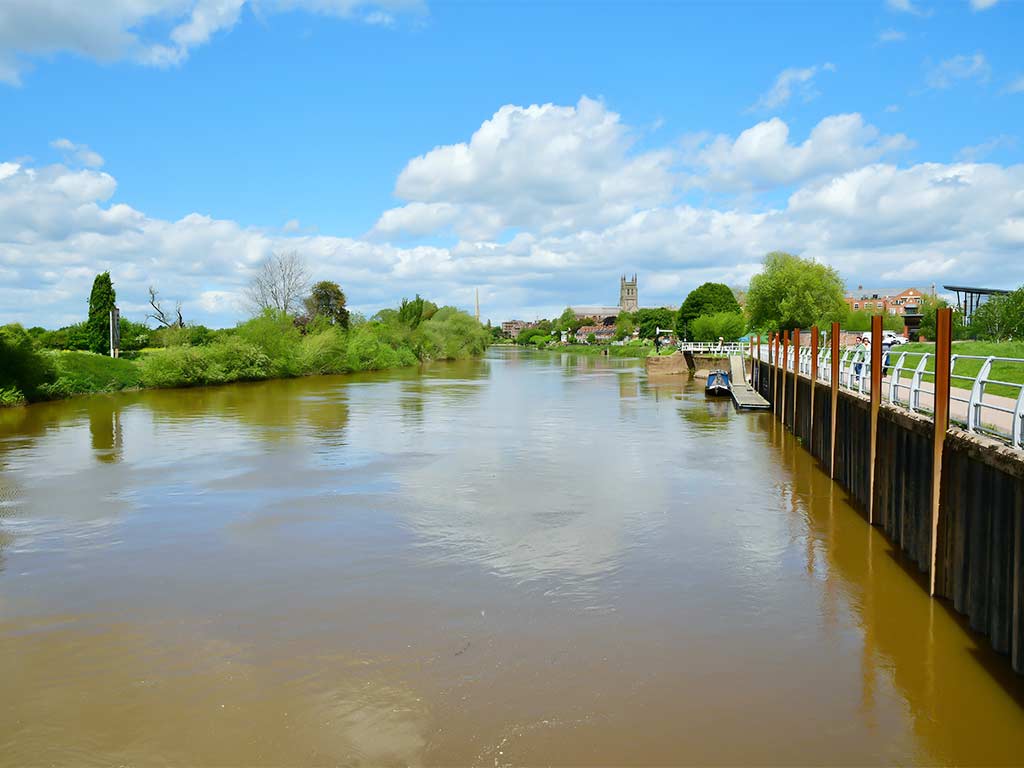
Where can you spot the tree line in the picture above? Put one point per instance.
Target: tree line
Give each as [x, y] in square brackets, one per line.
[295, 327]
[789, 292]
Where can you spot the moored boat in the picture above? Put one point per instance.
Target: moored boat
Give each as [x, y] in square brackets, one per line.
[717, 384]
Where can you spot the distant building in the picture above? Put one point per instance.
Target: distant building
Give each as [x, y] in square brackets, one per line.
[512, 328]
[885, 302]
[627, 294]
[602, 333]
[628, 302]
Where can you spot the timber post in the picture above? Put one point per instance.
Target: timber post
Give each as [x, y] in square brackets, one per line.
[834, 344]
[775, 375]
[876, 404]
[796, 374]
[943, 353]
[814, 377]
[785, 363]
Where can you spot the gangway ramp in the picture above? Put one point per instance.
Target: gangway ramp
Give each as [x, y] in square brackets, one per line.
[744, 395]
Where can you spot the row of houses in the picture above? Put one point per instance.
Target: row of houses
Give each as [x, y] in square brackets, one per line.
[886, 302]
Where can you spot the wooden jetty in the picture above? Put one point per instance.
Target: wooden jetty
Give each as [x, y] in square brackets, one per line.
[744, 396]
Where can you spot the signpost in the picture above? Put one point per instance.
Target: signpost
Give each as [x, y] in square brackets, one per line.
[115, 332]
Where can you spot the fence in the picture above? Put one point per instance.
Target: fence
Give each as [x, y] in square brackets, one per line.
[980, 402]
[929, 445]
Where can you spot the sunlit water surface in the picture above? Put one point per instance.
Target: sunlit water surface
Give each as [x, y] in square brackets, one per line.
[527, 559]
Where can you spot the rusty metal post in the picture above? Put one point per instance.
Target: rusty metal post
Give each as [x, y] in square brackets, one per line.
[785, 362]
[814, 378]
[775, 375]
[943, 353]
[876, 405]
[834, 343]
[796, 374]
[755, 365]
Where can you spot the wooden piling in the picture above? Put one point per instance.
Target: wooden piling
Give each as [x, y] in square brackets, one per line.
[796, 374]
[774, 390]
[943, 353]
[785, 362]
[814, 377]
[876, 404]
[834, 343]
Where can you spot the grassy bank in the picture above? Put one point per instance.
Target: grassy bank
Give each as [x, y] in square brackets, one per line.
[1002, 371]
[266, 347]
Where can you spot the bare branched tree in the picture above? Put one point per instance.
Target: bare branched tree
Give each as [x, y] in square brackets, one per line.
[280, 283]
[161, 315]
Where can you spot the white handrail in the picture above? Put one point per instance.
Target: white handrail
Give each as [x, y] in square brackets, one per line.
[978, 409]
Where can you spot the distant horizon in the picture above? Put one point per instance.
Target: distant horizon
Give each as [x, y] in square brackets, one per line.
[408, 146]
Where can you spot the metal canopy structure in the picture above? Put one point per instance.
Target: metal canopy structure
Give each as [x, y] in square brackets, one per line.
[969, 299]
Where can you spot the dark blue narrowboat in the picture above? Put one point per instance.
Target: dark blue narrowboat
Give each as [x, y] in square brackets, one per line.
[717, 384]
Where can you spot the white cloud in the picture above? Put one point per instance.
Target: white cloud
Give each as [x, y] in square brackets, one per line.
[907, 6]
[892, 108]
[1016, 86]
[157, 33]
[982, 5]
[789, 81]
[762, 156]
[544, 167]
[947, 73]
[852, 207]
[78, 153]
[891, 36]
[981, 151]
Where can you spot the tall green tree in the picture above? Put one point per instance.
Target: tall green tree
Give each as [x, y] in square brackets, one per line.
[725, 325]
[649, 320]
[101, 301]
[705, 299]
[327, 300]
[791, 292]
[929, 310]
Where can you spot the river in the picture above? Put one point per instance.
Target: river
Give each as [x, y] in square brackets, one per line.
[530, 558]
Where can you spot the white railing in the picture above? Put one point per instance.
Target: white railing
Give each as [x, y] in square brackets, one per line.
[907, 382]
[714, 348]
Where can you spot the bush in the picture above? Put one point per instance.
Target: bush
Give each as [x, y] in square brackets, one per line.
[728, 325]
[275, 334]
[232, 359]
[323, 352]
[369, 350]
[24, 371]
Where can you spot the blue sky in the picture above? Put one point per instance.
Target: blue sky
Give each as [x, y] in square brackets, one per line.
[177, 142]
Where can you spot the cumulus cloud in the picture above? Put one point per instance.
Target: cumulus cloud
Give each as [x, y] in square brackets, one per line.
[544, 167]
[982, 5]
[947, 73]
[850, 205]
[789, 82]
[1016, 86]
[762, 156]
[78, 153]
[151, 32]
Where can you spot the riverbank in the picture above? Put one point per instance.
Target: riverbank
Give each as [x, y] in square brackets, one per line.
[626, 350]
[266, 347]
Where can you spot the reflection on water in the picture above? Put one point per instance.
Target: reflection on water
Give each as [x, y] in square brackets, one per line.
[531, 558]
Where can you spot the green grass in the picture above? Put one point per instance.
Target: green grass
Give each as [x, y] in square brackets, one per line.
[85, 372]
[1010, 372]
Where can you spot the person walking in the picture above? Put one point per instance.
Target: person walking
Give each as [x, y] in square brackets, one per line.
[859, 353]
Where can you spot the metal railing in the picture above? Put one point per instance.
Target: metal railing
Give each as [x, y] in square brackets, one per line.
[713, 347]
[980, 402]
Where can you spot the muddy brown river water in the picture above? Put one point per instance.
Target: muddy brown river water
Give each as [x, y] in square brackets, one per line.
[526, 559]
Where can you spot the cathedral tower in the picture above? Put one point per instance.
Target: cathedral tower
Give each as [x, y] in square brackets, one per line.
[627, 294]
